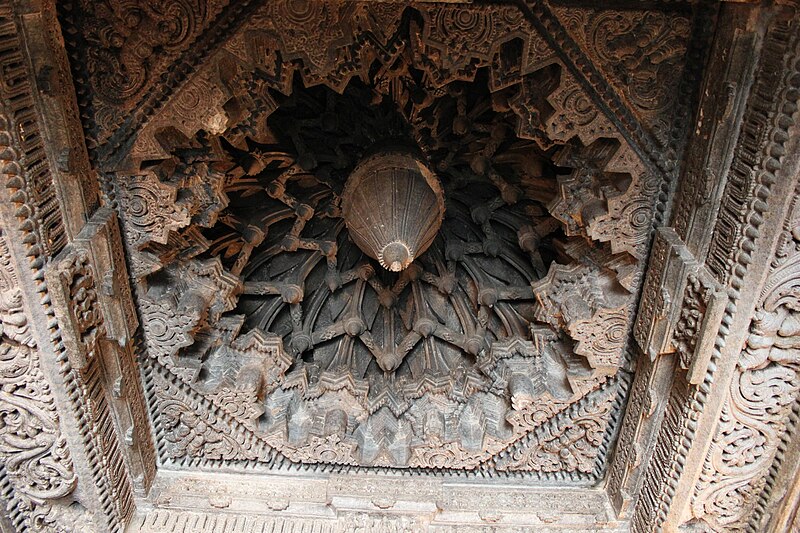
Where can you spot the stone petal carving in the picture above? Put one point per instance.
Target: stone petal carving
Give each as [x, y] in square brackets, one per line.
[151, 210]
[574, 114]
[601, 339]
[571, 297]
[166, 329]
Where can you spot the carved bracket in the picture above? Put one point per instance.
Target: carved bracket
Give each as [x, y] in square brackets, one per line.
[90, 289]
[663, 325]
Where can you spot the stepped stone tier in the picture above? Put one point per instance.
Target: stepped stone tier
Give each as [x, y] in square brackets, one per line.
[382, 266]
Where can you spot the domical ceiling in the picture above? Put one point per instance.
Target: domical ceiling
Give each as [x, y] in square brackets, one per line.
[374, 235]
[399, 266]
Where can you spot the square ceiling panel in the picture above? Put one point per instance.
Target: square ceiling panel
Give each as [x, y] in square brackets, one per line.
[267, 160]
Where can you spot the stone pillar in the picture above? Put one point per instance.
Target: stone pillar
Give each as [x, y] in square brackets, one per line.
[717, 312]
[75, 441]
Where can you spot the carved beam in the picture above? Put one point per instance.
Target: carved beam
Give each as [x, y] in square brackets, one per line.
[70, 385]
[694, 473]
[672, 256]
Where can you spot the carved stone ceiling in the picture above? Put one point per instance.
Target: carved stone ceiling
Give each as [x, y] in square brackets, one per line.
[226, 133]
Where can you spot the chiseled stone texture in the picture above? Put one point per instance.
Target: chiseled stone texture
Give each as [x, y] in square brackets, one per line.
[352, 503]
[601, 334]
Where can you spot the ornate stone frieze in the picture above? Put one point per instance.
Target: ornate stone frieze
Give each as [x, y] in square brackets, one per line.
[641, 52]
[753, 173]
[130, 45]
[190, 430]
[37, 465]
[492, 337]
[34, 455]
[69, 279]
[756, 169]
[569, 442]
[98, 322]
[761, 396]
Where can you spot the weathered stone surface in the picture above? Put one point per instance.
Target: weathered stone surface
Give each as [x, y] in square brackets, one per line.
[572, 309]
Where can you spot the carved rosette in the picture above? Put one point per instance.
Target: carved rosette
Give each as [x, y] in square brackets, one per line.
[255, 299]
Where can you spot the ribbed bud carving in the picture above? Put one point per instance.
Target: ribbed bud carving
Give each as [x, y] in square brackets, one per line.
[393, 206]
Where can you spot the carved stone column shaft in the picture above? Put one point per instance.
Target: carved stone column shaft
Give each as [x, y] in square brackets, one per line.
[65, 331]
